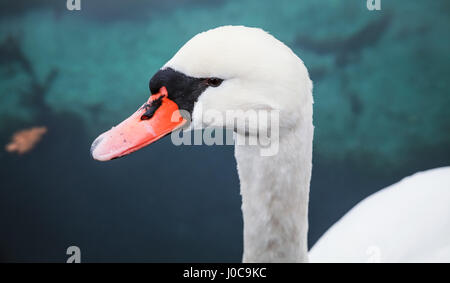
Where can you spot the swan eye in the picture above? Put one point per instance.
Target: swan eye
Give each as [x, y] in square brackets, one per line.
[214, 82]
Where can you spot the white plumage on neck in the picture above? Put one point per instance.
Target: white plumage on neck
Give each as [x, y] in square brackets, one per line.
[275, 195]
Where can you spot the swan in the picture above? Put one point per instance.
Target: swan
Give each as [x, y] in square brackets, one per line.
[243, 68]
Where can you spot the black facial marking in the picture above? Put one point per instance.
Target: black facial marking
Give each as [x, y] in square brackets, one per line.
[151, 108]
[183, 90]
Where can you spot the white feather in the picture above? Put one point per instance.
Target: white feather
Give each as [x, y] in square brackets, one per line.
[405, 222]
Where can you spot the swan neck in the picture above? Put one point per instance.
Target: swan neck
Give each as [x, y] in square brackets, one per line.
[275, 196]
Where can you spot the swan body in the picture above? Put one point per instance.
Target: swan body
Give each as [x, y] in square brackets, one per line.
[406, 222]
[239, 68]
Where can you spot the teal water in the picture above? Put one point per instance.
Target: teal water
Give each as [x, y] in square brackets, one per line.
[381, 112]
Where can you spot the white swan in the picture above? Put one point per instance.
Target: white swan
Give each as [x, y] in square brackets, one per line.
[240, 68]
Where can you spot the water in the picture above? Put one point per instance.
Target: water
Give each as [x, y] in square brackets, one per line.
[381, 113]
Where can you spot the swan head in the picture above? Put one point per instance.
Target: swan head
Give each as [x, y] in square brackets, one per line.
[230, 68]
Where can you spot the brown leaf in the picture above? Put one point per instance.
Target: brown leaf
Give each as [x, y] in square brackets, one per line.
[25, 140]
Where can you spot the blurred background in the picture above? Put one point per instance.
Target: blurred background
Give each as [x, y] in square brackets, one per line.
[381, 112]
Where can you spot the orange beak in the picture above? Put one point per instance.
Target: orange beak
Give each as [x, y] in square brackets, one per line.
[154, 120]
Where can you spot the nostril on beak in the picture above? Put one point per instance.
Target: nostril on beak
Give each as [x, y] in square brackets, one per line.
[94, 145]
